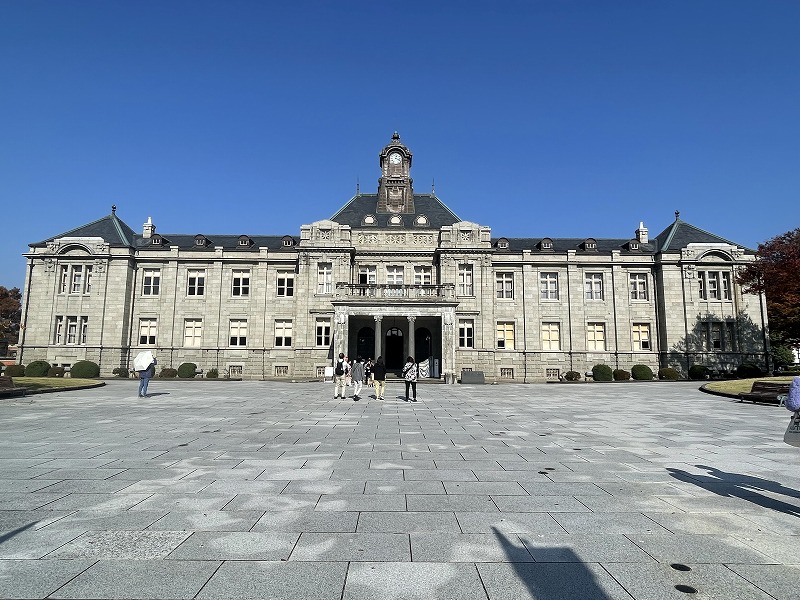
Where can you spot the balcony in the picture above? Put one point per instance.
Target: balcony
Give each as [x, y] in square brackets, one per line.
[368, 292]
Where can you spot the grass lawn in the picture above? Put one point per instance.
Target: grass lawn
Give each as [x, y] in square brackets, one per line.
[735, 386]
[53, 383]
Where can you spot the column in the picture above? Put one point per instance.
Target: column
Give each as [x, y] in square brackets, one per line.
[340, 339]
[448, 345]
[378, 337]
[411, 344]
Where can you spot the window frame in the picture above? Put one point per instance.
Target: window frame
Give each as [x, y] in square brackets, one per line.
[283, 326]
[286, 289]
[325, 278]
[152, 331]
[243, 286]
[466, 333]
[595, 327]
[547, 342]
[593, 283]
[549, 286]
[153, 287]
[504, 285]
[236, 327]
[466, 280]
[196, 289]
[504, 341]
[638, 341]
[322, 331]
[639, 287]
[196, 336]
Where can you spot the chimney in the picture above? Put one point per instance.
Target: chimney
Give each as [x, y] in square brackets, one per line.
[641, 233]
[149, 229]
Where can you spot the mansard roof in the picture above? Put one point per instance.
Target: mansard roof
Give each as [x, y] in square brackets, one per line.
[229, 242]
[111, 228]
[438, 214]
[680, 234]
[604, 245]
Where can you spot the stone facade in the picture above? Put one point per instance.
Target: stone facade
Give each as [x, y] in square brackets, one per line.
[393, 274]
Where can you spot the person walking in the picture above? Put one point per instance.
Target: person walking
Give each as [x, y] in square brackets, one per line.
[144, 378]
[368, 372]
[358, 378]
[338, 377]
[379, 375]
[410, 376]
[348, 377]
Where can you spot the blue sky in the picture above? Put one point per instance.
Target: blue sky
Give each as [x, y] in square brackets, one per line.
[570, 118]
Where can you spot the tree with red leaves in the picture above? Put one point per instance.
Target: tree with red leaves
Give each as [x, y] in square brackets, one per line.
[776, 273]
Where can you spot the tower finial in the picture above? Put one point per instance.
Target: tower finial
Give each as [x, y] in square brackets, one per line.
[395, 137]
[358, 187]
[113, 209]
[433, 186]
[677, 215]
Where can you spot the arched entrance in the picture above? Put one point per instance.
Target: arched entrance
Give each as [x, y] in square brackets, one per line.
[393, 353]
[365, 343]
[423, 344]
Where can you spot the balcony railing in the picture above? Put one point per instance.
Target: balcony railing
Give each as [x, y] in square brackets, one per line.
[394, 292]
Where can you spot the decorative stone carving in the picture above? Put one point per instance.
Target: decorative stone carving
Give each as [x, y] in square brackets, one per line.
[367, 238]
[423, 239]
[465, 236]
[324, 234]
[49, 265]
[100, 266]
[689, 271]
[395, 239]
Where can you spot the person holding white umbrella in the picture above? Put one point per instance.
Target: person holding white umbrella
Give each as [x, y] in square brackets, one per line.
[145, 365]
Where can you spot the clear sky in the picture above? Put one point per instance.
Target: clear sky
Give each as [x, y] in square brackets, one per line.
[571, 118]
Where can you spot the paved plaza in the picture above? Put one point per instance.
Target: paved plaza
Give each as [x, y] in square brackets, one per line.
[221, 490]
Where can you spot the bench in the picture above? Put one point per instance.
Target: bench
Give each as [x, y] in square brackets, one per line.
[766, 391]
[7, 387]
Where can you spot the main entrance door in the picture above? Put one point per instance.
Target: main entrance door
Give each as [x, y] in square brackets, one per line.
[394, 349]
[365, 347]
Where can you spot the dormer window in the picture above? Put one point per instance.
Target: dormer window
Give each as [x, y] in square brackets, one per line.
[633, 245]
[369, 221]
[287, 241]
[156, 240]
[421, 221]
[590, 244]
[245, 241]
[502, 244]
[396, 221]
[546, 244]
[200, 241]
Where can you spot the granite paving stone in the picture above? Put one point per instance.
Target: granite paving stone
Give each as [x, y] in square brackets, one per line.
[249, 489]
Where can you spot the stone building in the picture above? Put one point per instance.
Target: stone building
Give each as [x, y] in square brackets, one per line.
[394, 273]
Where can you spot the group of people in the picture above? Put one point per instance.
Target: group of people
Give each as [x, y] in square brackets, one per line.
[359, 373]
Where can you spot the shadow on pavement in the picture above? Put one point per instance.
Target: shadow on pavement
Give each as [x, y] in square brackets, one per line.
[568, 579]
[10, 534]
[746, 487]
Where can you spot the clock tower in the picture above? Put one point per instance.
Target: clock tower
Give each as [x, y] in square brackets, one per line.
[395, 186]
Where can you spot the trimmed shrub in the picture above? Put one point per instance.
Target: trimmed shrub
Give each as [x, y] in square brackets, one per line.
[748, 370]
[14, 371]
[641, 373]
[121, 372]
[602, 373]
[187, 370]
[168, 373]
[56, 372]
[212, 374]
[38, 368]
[669, 374]
[85, 369]
[621, 375]
[572, 376]
[698, 372]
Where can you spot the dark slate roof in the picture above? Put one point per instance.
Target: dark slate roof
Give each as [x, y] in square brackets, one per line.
[229, 242]
[680, 234]
[560, 245]
[111, 228]
[361, 205]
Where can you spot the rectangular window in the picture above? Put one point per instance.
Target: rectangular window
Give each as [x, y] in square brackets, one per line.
[193, 332]
[238, 332]
[148, 330]
[465, 333]
[551, 336]
[594, 286]
[712, 285]
[504, 284]
[422, 276]
[595, 336]
[726, 286]
[76, 285]
[548, 283]
[465, 287]
[638, 286]
[702, 281]
[58, 338]
[324, 278]
[323, 333]
[394, 281]
[367, 275]
[283, 332]
[87, 283]
[641, 336]
[240, 283]
[72, 330]
[506, 373]
[715, 336]
[196, 282]
[151, 282]
[730, 336]
[64, 278]
[505, 335]
[285, 284]
[84, 330]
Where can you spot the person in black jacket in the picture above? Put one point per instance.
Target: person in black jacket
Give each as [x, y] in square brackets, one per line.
[379, 374]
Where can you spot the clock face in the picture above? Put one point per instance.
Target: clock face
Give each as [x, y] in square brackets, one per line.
[395, 158]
